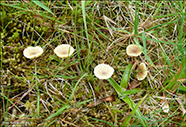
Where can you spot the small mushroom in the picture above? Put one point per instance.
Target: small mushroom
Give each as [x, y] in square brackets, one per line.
[142, 71]
[32, 52]
[133, 50]
[103, 71]
[64, 50]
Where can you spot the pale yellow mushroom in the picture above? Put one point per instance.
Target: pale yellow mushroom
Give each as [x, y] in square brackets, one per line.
[133, 50]
[141, 71]
[64, 50]
[103, 71]
[32, 52]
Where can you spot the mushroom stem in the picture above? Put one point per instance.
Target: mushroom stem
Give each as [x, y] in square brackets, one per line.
[66, 66]
[60, 63]
[100, 81]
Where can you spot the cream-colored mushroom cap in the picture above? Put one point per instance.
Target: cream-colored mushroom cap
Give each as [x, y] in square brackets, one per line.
[64, 50]
[142, 71]
[133, 50]
[103, 71]
[32, 52]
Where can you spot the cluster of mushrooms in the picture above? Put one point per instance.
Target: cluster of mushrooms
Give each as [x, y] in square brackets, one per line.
[104, 71]
[62, 51]
[101, 71]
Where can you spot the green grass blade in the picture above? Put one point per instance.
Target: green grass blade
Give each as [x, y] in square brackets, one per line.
[103, 121]
[182, 88]
[181, 71]
[115, 85]
[75, 87]
[165, 42]
[127, 120]
[66, 106]
[166, 59]
[157, 10]
[42, 6]
[14, 6]
[145, 50]
[58, 112]
[12, 20]
[142, 3]
[180, 41]
[126, 99]
[151, 39]
[83, 102]
[6, 108]
[11, 102]
[137, 111]
[52, 122]
[182, 124]
[136, 19]
[126, 76]
[86, 31]
[174, 14]
[128, 92]
[163, 24]
[102, 33]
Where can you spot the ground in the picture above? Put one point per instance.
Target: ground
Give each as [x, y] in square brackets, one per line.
[54, 91]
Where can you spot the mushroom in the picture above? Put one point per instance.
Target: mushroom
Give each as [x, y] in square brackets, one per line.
[64, 50]
[103, 71]
[142, 71]
[32, 52]
[133, 50]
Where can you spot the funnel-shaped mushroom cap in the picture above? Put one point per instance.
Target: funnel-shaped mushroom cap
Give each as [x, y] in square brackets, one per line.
[32, 52]
[64, 50]
[142, 71]
[133, 50]
[103, 71]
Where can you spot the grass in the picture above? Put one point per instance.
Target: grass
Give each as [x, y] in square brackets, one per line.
[50, 91]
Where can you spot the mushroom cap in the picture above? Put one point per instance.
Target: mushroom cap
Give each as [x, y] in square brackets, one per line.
[142, 71]
[64, 50]
[133, 50]
[103, 71]
[32, 52]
